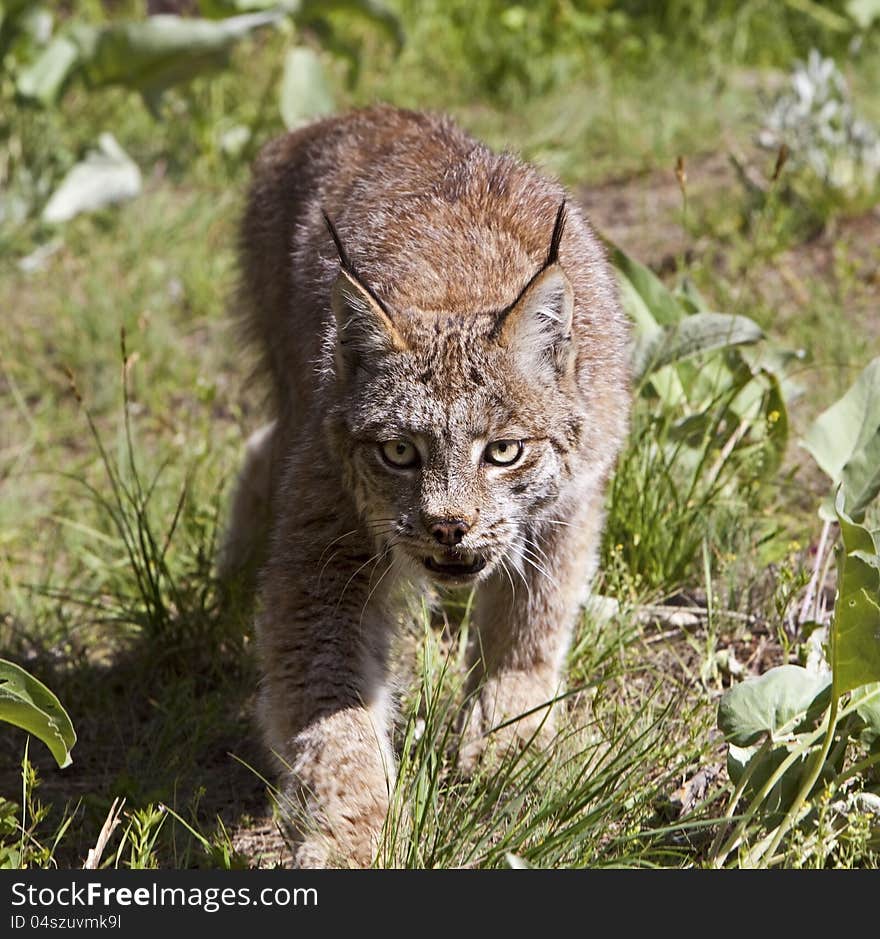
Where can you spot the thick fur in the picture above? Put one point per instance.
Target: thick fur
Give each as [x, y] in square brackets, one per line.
[446, 319]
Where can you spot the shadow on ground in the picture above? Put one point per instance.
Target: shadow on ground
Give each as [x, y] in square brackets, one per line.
[176, 730]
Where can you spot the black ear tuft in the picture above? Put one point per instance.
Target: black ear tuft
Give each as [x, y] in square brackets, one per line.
[343, 257]
[348, 267]
[556, 238]
[551, 259]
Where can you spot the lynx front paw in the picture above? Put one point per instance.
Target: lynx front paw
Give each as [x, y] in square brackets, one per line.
[320, 844]
[510, 711]
[316, 850]
[336, 796]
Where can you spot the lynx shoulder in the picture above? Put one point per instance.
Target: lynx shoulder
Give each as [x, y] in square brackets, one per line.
[446, 355]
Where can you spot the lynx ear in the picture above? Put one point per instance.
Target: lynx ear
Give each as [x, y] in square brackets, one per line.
[363, 328]
[537, 328]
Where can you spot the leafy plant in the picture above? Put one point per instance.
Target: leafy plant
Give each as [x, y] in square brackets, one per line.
[25, 839]
[151, 56]
[793, 732]
[507, 51]
[106, 176]
[148, 56]
[27, 703]
[710, 423]
[154, 54]
[845, 442]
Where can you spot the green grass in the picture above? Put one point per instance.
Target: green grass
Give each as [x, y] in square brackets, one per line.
[112, 489]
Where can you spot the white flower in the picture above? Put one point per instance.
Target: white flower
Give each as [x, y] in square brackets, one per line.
[814, 117]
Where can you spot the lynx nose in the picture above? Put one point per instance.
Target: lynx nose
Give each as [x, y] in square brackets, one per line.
[449, 531]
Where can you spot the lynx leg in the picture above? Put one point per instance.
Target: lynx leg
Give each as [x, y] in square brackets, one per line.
[323, 637]
[248, 523]
[524, 628]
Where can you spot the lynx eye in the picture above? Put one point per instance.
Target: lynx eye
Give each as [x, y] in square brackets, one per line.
[399, 453]
[503, 452]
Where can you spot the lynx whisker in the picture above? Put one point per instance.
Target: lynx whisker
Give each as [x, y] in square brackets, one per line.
[504, 567]
[542, 521]
[525, 581]
[324, 566]
[530, 559]
[534, 546]
[334, 541]
[329, 561]
[375, 587]
[373, 559]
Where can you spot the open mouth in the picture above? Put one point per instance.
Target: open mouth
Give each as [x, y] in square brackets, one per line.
[460, 565]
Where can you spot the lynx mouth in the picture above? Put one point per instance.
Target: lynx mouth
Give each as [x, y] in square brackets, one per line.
[455, 566]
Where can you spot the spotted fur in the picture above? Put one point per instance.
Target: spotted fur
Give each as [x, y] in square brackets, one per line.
[402, 282]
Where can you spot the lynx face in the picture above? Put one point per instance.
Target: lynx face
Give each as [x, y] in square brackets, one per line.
[458, 427]
[448, 475]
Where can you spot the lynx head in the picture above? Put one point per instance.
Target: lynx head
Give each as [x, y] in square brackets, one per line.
[457, 430]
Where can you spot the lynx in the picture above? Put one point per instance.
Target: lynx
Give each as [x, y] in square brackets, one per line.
[447, 362]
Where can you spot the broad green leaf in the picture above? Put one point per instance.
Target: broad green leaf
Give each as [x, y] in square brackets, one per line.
[665, 382]
[634, 304]
[867, 701]
[690, 336]
[670, 331]
[763, 405]
[714, 379]
[664, 308]
[29, 704]
[220, 9]
[165, 50]
[106, 176]
[148, 55]
[309, 12]
[305, 90]
[44, 78]
[670, 328]
[855, 632]
[845, 441]
[776, 434]
[667, 385]
[371, 10]
[774, 703]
